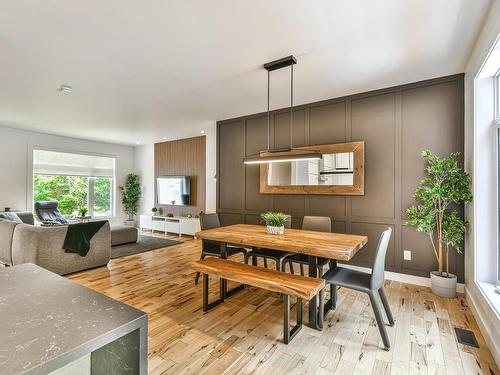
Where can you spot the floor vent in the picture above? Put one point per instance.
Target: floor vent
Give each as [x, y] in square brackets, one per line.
[466, 337]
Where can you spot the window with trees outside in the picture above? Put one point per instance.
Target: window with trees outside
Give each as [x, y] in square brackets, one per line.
[76, 181]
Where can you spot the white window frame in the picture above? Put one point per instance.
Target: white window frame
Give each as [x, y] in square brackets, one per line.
[90, 198]
[496, 98]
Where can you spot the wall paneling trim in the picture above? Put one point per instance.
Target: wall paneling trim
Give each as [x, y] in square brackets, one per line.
[396, 124]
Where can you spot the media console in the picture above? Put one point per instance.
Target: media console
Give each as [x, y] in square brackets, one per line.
[177, 224]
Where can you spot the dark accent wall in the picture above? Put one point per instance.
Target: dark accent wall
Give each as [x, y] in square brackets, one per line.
[183, 157]
[396, 124]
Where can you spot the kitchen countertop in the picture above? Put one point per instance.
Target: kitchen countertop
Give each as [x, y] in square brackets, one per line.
[47, 321]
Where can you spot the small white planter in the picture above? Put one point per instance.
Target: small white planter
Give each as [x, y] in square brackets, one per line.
[275, 230]
[444, 286]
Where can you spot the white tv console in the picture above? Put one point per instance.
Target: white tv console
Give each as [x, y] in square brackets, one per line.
[175, 224]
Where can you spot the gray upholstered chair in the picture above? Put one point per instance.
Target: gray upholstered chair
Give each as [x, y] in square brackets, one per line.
[368, 283]
[212, 248]
[277, 255]
[316, 223]
[49, 211]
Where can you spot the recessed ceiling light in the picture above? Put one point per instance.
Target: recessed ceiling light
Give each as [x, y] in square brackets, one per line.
[65, 88]
[202, 131]
[164, 138]
[138, 142]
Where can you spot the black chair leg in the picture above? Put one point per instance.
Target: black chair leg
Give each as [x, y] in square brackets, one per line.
[333, 295]
[279, 265]
[197, 277]
[387, 307]
[380, 321]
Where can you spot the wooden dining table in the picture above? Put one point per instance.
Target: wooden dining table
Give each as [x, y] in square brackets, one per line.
[333, 246]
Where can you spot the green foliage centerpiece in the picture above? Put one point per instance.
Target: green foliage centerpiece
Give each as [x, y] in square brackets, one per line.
[131, 194]
[438, 195]
[275, 222]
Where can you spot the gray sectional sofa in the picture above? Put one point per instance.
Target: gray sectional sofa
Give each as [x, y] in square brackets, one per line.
[28, 243]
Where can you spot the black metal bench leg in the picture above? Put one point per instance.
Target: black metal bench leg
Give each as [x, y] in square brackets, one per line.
[209, 305]
[321, 308]
[288, 334]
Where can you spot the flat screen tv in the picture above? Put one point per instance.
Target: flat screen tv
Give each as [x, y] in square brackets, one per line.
[173, 190]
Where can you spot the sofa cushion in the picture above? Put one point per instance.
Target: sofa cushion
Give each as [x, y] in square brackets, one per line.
[11, 216]
[122, 234]
[26, 216]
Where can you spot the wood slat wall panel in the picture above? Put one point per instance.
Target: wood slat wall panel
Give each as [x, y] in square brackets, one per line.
[183, 157]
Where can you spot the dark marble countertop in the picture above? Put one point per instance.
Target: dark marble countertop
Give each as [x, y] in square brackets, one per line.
[47, 321]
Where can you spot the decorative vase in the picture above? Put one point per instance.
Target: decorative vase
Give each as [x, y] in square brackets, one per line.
[130, 223]
[444, 286]
[275, 230]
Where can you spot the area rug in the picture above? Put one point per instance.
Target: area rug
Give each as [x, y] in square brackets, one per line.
[143, 244]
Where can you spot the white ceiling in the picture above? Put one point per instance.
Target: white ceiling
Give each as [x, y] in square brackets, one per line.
[142, 70]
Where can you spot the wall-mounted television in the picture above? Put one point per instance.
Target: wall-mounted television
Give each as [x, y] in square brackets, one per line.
[173, 190]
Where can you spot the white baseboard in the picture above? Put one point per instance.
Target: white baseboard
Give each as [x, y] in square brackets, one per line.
[486, 321]
[403, 278]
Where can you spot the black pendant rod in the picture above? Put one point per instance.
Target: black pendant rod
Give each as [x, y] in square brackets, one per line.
[274, 65]
[291, 106]
[268, 114]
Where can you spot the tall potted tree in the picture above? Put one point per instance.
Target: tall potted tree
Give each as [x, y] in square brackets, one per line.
[435, 214]
[131, 194]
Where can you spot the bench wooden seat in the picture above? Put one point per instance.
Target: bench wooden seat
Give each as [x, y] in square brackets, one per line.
[289, 285]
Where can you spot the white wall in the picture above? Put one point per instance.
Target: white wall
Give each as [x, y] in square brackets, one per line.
[144, 167]
[16, 164]
[480, 250]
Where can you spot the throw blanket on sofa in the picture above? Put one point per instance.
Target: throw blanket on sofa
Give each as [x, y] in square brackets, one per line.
[78, 237]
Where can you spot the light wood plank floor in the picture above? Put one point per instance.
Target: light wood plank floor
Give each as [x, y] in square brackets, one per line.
[243, 335]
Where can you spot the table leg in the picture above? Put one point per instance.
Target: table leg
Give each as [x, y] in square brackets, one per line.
[331, 304]
[223, 282]
[313, 303]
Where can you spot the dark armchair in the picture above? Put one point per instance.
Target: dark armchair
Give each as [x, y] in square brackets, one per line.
[49, 211]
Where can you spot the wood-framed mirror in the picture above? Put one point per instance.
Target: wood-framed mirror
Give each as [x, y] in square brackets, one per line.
[341, 171]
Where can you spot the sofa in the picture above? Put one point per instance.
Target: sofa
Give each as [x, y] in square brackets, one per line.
[28, 243]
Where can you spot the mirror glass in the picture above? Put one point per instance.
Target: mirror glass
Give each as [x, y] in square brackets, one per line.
[333, 169]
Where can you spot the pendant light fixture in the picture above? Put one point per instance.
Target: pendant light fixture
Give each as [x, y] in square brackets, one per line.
[279, 157]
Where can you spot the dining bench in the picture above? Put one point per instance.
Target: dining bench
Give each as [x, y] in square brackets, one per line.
[288, 285]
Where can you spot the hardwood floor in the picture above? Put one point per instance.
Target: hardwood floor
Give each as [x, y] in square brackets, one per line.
[243, 335]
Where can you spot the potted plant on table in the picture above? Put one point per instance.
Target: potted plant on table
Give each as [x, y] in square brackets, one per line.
[131, 194]
[445, 187]
[275, 222]
[83, 211]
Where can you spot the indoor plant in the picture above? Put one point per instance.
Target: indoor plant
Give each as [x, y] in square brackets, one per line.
[131, 194]
[83, 211]
[438, 195]
[275, 222]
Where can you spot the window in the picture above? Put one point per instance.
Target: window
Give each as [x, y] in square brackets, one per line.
[75, 181]
[496, 85]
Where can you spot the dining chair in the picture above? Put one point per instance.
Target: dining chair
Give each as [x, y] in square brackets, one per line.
[368, 283]
[277, 255]
[212, 248]
[314, 223]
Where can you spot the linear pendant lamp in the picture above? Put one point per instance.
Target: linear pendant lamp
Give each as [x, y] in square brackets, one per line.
[279, 157]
